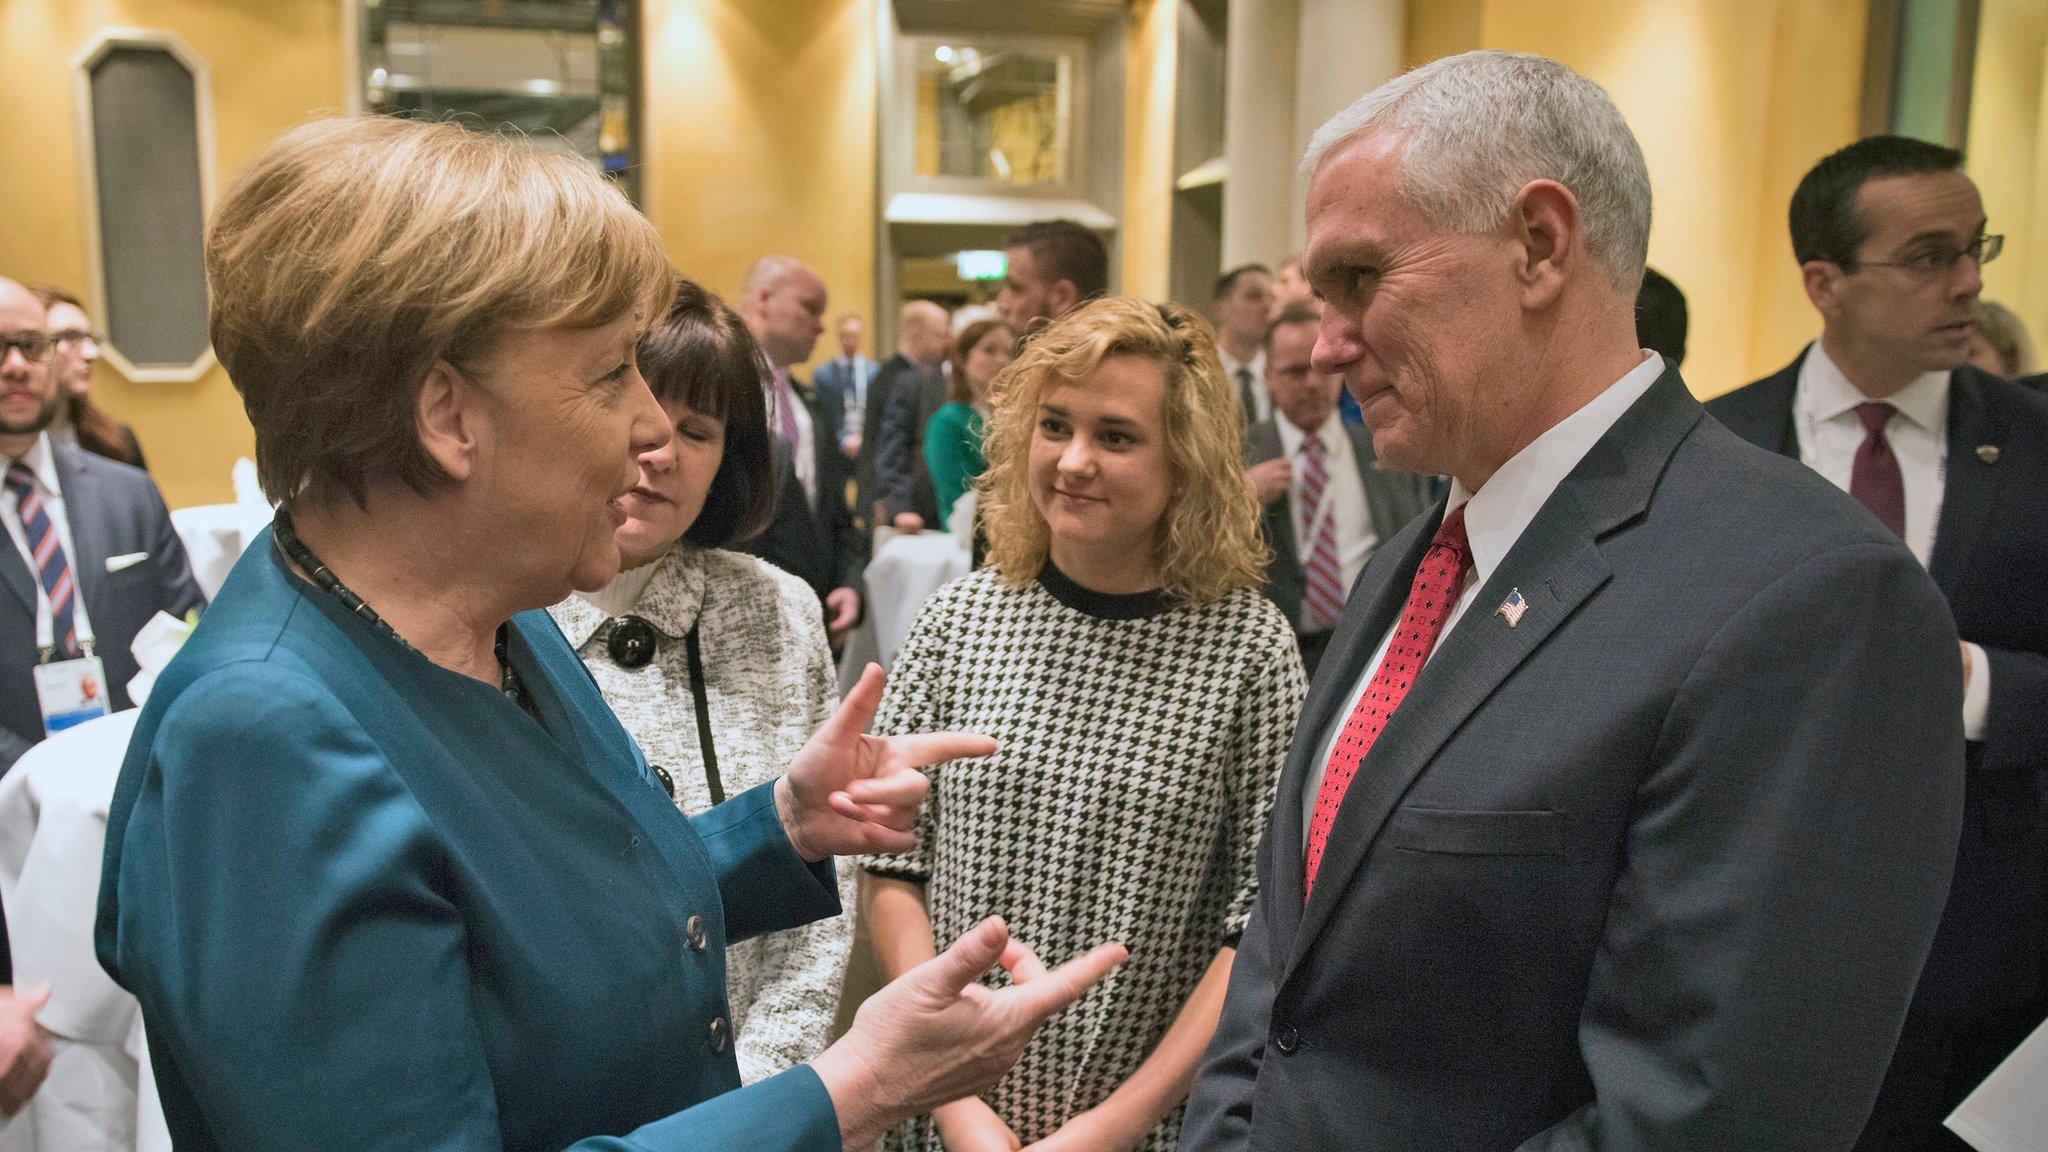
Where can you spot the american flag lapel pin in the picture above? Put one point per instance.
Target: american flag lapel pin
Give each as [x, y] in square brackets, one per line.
[1511, 609]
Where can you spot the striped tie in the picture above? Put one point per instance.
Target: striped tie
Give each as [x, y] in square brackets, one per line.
[1325, 599]
[51, 566]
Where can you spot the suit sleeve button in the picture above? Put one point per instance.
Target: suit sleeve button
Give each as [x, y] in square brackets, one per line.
[718, 1034]
[698, 937]
[1287, 1039]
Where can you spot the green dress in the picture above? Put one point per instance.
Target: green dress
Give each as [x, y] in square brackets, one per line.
[952, 454]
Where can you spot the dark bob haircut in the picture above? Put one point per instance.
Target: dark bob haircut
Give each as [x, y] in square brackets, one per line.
[1825, 225]
[702, 357]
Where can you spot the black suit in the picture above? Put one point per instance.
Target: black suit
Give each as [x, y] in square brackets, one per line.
[867, 487]
[815, 540]
[113, 510]
[1648, 870]
[902, 482]
[1986, 982]
[1392, 500]
[836, 378]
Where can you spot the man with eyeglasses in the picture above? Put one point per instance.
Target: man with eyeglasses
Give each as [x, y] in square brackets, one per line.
[90, 557]
[1890, 237]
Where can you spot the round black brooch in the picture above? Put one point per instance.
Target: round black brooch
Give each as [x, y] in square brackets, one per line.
[632, 642]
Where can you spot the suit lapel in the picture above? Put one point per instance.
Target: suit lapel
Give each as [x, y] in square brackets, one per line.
[1972, 482]
[1557, 565]
[1762, 413]
[14, 571]
[90, 537]
[1381, 593]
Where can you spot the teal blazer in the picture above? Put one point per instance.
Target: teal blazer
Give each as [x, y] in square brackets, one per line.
[369, 903]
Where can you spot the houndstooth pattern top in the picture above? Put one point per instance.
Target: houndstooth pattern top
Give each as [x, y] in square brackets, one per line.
[769, 683]
[1140, 743]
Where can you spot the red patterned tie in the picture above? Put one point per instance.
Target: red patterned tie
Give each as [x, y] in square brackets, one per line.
[1439, 580]
[53, 570]
[1324, 601]
[1874, 475]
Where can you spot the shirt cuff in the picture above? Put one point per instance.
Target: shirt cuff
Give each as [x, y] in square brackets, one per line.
[1977, 694]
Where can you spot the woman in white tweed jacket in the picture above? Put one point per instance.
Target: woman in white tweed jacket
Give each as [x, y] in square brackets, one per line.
[716, 662]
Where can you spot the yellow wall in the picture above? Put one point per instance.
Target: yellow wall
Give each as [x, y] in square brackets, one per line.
[2008, 154]
[1148, 149]
[272, 62]
[760, 139]
[1732, 100]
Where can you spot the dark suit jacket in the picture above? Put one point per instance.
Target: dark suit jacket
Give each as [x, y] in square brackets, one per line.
[1986, 982]
[1392, 500]
[834, 377]
[1649, 870]
[113, 510]
[892, 372]
[902, 482]
[818, 544]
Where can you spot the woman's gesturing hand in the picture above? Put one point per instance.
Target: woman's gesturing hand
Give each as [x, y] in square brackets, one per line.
[848, 792]
[935, 1034]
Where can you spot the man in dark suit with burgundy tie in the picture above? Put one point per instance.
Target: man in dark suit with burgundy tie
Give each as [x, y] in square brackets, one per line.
[1585, 841]
[1890, 235]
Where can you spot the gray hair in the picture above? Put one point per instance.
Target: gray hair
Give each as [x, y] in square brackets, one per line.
[1477, 128]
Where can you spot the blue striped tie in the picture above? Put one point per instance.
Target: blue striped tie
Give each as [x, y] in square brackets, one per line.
[51, 566]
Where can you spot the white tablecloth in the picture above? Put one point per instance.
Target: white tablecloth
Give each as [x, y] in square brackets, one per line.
[53, 824]
[905, 572]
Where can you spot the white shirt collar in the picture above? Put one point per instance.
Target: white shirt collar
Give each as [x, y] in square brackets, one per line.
[41, 460]
[1330, 432]
[1501, 510]
[1232, 364]
[1824, 393]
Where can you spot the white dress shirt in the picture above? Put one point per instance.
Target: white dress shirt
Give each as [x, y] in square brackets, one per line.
[42, 462]
[1824, 418]
[805, 449]
[1343, 491]
[1257, 365]
[1495, 518]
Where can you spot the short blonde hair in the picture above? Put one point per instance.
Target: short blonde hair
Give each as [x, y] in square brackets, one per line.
[354, 253]
[1209, 545]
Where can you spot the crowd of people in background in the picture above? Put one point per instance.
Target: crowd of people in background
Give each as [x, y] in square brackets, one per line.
[1712, 761]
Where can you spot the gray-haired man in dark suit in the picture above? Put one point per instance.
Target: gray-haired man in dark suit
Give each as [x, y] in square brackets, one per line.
[1327, 506]
[1623, 805]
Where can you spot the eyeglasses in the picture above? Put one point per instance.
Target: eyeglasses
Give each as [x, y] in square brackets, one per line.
[1932, 262]
[88, 342]
[35, 347]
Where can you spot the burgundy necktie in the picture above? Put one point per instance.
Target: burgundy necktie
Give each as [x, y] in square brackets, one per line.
[785, 408]
[1874, 477]
[1439, 581]
[1324, 601]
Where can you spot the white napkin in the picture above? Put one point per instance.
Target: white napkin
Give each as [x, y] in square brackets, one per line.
[154, 646]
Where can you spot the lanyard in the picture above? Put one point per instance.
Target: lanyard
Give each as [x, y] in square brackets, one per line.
[46, 619]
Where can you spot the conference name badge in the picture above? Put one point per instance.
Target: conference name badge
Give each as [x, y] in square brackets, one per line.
[71, 692]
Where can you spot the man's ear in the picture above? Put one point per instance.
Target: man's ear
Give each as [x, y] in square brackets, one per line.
[1823, 283]
[446, 414]
[1062, 297]
[1543, 225]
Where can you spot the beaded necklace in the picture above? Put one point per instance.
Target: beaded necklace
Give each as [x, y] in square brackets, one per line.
[323, 578]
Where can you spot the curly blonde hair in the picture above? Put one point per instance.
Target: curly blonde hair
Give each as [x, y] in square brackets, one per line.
[1208, 544]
